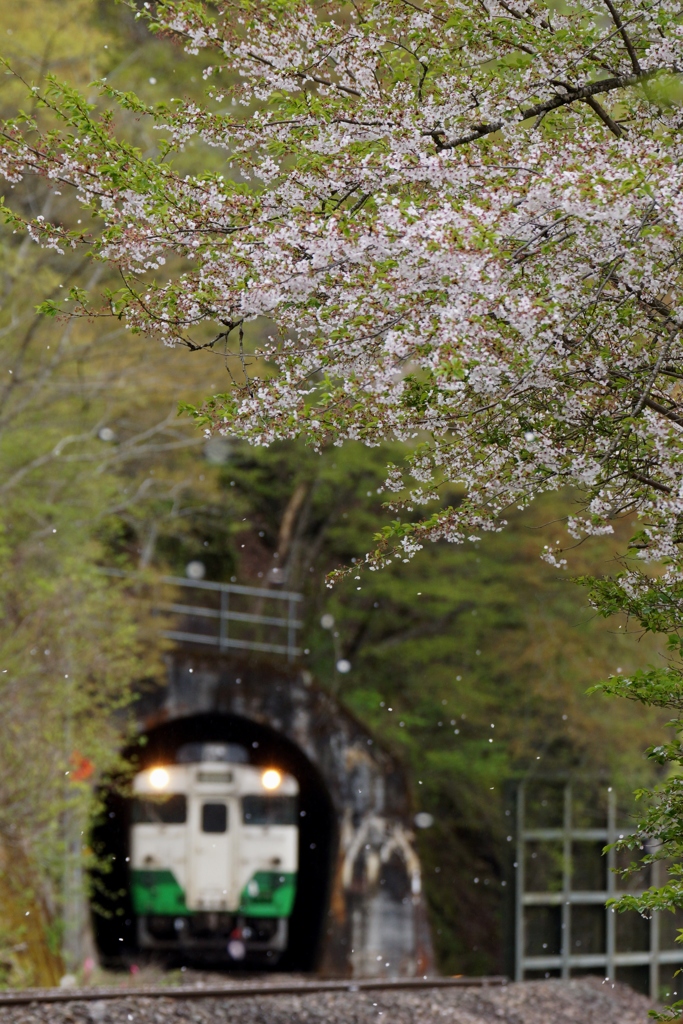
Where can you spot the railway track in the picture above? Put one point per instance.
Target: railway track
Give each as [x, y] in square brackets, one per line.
[239, 991]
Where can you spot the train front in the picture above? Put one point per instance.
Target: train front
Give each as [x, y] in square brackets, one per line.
[214, 857]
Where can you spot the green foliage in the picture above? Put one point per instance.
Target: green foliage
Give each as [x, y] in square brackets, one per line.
[654, 606]
[91, 467]
[457, 641]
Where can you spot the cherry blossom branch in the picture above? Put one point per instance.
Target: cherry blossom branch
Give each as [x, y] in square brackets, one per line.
[585, 92]
[625, 36]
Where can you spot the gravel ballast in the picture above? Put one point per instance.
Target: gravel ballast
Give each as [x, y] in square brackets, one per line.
[585, 1001]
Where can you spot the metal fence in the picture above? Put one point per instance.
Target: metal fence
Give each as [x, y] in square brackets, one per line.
[225, 621]
[562, 882]
[228, 616]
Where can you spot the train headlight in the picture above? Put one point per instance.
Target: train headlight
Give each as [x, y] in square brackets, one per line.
[271, 779]
[159, 778]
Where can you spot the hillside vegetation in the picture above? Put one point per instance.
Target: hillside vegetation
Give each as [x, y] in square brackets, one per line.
[461, 647]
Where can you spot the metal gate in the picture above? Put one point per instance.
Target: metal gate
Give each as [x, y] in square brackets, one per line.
[562, 882]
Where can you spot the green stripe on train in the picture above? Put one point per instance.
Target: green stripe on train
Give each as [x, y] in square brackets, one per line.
[269, 894]
[157, 892]
[266, 894]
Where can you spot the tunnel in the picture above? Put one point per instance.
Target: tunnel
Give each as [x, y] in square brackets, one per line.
[113, 916]
[359, 910]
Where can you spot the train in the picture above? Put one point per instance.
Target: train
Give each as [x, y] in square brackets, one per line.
[214, 853]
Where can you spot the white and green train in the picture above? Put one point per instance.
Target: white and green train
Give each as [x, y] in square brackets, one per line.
[214, 859]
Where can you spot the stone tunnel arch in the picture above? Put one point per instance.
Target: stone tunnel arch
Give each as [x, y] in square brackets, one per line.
[360, 910]
[317, 827]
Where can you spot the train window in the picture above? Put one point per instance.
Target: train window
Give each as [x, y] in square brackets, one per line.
[160, 810]
[269, 810]
[214, 818]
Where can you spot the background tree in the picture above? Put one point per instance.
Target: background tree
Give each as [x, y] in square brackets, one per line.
[388, 331]
[83, 486]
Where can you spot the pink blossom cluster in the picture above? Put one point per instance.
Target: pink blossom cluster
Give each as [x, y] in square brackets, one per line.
[463, 222]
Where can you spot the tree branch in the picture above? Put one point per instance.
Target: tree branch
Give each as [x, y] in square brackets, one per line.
[604, 85]
[615, 128]
[663, 411]
[306, 76]
[625, 36]
[650, 483]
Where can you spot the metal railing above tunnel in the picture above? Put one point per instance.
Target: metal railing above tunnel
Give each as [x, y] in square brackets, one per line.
[229, 616]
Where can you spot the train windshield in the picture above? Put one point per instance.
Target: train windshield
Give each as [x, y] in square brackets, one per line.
[160, 810]
[214, 818]
[269, 810]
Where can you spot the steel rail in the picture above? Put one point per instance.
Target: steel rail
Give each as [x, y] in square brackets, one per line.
[234, 588]
[62, 995]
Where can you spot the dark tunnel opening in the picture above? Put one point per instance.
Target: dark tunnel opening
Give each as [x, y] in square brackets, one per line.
[114, 921]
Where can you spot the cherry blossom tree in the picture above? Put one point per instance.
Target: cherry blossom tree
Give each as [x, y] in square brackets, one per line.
[463, 223]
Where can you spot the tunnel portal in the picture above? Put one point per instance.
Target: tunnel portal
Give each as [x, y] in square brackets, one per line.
[359, 909]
